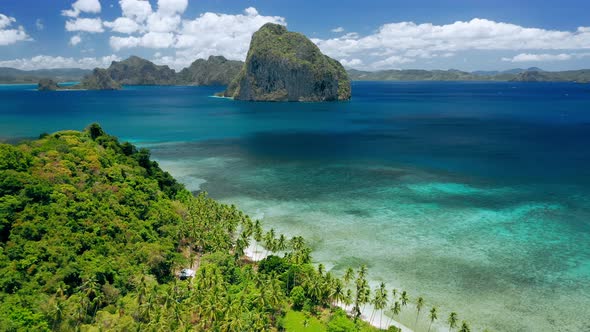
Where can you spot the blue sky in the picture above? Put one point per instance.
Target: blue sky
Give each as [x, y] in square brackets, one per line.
[369, 34]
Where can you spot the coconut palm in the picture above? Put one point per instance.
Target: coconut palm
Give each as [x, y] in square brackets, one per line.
[432, 316]
[419, 305]
[452, 321]
[258, 234]
[464, 327]
[348, 275]
[404, 298]
[381, 301]
[282, 243]
[395, 310]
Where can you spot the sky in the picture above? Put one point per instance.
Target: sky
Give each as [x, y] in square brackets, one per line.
[368, 35]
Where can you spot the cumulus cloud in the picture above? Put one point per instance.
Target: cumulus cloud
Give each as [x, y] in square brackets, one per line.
[82, 6]
[351, 63]
[172, 7]
[92, 25]
[123, 25]
[529, 57]
[158, 22]
[208, 34]
[137, 10]
[338, 30]
[10, 34]
[75, 40]
[51, 62]
[389, 44]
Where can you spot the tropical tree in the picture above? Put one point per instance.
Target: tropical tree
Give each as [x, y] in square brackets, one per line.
[348, 275]
[452, 321]
[432, 316]
[395, 310]
[419, 305]
[362, 292]
[381, 300]
[464, 327]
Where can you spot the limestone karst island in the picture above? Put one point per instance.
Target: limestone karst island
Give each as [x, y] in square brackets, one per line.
[309, 166]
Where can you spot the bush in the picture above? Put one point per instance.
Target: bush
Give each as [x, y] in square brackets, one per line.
[297, 297]
[341, 323]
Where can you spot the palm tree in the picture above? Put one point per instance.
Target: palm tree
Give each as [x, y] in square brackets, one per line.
[362, 292]
[282, 243]
[464, 327]
[348, 275]
[404, 298]
[382, 301]
[452, 320]
[419, 305]
[257, 231]
[395, 310]
[433, 316]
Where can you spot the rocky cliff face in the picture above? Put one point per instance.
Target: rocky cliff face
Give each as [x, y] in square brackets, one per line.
[98, 80]
[287, 66]
[216, 70]
[138, 71]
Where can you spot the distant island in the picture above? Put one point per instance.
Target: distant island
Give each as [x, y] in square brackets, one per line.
[216, 70]
[287, 66]
[513, 75]
[17, 76]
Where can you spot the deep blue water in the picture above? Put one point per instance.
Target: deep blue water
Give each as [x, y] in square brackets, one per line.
[473, 195]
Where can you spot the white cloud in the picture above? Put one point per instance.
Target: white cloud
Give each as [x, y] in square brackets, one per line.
[351, 63]
[138, 10]
[157, 40]
[529, 57]
[391, 62]
[338, 30]
[429, 40]
[207, 34]
[9, 34]
[6, 21]
[92, 25]
[154, 40]
[172, 7]
[75, 40]
[119, 43]
[251, 11]
[51, 62]
[39, 24]
[221, 34]
[123, 25]
[82, 6]
[158, 22]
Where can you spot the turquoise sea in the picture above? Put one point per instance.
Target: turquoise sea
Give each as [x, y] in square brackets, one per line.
[475, 196]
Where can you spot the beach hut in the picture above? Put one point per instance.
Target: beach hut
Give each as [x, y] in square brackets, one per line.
[186, 273]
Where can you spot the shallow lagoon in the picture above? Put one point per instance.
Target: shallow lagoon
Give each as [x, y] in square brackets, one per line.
[473, 195]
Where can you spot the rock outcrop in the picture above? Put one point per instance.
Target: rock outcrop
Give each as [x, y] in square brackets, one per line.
[47, 84]
[138, 71]
[98, 80]
[287, 66]
[216, 70]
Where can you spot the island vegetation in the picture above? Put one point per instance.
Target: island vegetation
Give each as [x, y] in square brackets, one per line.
[93, 235]
[287, 66]
[216, 70]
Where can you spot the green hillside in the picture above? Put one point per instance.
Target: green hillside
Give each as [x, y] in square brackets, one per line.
[93, 235]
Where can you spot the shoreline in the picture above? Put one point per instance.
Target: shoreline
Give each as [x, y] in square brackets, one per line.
[256, 253]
